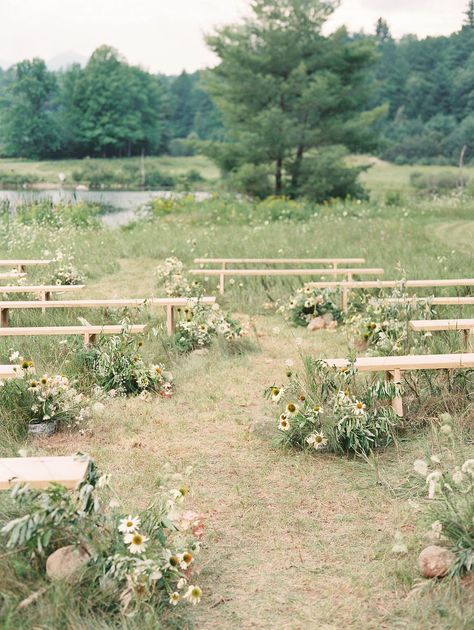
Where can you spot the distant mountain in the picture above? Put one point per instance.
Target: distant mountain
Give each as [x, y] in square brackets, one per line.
[66, 59]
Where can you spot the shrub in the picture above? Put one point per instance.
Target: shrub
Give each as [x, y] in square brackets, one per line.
[16, 180]
[309, 303]
[382, 327]
[36, 400]
[251, 179]
[116, 366]
[449, 481]
[135, 563]
[324, 410]
[203, 324]
[171, 277]
[437, 182]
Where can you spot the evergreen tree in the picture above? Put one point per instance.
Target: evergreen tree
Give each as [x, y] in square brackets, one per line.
[469, 21]
[285, 92]
[382, 31]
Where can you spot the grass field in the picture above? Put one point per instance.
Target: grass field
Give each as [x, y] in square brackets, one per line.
[292, 540]
[381, 178]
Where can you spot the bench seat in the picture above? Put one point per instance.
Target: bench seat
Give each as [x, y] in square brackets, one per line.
[8, 372]
[23, 263]
[170, 303]
[89, 333]
[394, 366]
[441, 324]
[40, 472]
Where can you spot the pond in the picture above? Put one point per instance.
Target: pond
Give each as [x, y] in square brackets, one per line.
[123, 201]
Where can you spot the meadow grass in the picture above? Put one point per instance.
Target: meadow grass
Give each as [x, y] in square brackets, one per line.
[292, 540]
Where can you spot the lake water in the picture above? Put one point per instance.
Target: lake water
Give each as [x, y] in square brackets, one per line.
[125, 201]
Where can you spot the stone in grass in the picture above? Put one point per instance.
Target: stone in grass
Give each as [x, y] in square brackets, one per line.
[317, 323]
[64, 563]
[435, 561]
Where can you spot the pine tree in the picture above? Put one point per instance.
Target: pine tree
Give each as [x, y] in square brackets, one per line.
[469, 13]
[382, 30]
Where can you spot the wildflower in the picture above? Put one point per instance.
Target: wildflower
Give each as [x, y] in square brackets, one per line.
[359, 408]
[174, 598]
[318, 409]
[317, 440]
[193, 595]
[435, 459]
[185, 560]
[98, 408]
[446, 429]
[14, 356]
[291, 409]
[434, 485]
[468, 467]
[284, 425]
[437, 529]
[181, 584]
[276, 394]
[136, 541]
[129, 525]
[420, 467]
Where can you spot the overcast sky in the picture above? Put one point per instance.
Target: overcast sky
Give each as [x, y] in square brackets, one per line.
[167, 35]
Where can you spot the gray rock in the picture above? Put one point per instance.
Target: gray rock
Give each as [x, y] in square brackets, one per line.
[64, 563]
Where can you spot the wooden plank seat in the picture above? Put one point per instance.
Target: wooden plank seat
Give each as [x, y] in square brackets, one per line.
[22, 263]
[90, 333]
[440, 301]
[169, 303]
[280, 261]
[12, 275]
[223, 273]
[8, 372]
[390, 284]
[465, 326]
[394, 366]
[44, 291]
[40, 472]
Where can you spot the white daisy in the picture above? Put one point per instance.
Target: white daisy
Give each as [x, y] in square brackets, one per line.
[283, 424]
[174, 598]
[359, 408]
[276, 394]
[193, 595]
[317, 440]
[318, 410]
[291, 409]
[136, 541]
[129, 525]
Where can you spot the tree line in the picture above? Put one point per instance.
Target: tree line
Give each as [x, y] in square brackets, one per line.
[107, 109]
[279, 113]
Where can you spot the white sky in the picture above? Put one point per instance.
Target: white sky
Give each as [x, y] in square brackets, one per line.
[167, 35]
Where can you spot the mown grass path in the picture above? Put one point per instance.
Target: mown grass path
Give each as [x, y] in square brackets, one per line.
[292, 540]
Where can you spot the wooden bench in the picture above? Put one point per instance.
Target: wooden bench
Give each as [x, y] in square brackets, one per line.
[440, 301]
[390, 284]
[223, 273]
[40, 472]
[465, 326]
[90, 333]
[8, 372]
[22, 263]
[12, 275]
[171, 304]
[44, 291]
[394, 366]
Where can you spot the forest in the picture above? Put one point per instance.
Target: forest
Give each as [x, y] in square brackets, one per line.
[422, 89]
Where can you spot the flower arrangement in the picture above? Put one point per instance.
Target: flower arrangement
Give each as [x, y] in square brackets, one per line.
[309, 303]
[325, 410]
[50, 399]
[171, 276]
[65, 271]
[117, 366]
[202, 324]
[381, 327]
[136, 562]
[449, 486]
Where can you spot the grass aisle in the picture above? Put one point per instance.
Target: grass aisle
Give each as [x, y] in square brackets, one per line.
[292, 540]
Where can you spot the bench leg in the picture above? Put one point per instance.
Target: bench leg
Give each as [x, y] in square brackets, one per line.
[345, 299]
[170, 320]
[4, 317]
[90, 339]
[222, 281]
[395, 376]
